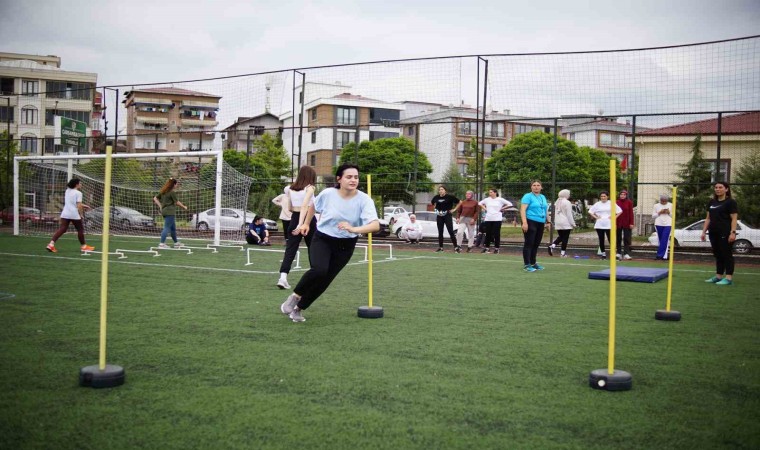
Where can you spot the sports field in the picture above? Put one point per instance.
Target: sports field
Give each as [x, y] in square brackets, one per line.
[472, 353]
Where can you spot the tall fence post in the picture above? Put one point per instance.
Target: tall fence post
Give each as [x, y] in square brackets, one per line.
[717, 148]
[554, 178]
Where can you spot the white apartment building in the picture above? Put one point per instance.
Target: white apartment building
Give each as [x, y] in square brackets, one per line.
[33, 90]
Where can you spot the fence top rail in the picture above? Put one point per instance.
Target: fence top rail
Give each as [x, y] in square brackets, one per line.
[121, 155]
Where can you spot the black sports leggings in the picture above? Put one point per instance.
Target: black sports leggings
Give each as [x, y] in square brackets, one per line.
[562, 237]
[723, 252]
[493, 233]
[600, 234]
[532, 241]
[446, 220]
[328, 255]
[292, 242]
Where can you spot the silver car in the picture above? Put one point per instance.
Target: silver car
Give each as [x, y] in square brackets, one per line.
[747, 237]
[229, 219]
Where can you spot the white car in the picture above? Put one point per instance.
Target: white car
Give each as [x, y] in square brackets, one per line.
[393, 213]
[690, 236]
[426, 218]
[230, 219]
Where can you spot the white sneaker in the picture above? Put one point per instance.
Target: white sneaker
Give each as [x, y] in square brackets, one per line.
[283, 284]
[619, 256]
[289, 304]
[296, 316]
[178, 244]
[626, 257]
[162, 245]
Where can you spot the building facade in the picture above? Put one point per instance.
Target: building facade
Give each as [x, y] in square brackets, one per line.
[241, 134]
[33, 90]
[170, 120]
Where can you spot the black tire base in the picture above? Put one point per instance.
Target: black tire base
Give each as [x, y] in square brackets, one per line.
[617, 381]
[672, 316]
[370, 312]
[92, 376]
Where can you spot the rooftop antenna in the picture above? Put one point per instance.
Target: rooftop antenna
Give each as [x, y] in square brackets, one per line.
[268, 88]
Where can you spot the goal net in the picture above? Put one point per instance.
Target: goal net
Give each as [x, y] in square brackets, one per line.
[215, 193]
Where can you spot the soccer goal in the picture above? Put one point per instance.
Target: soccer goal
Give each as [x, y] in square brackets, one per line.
[215, 193]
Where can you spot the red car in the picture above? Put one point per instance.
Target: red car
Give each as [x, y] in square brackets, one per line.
[28, 216]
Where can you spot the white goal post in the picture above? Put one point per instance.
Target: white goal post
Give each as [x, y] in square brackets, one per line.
[216, 194]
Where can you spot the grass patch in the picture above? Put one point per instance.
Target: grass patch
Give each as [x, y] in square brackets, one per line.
[472, 353]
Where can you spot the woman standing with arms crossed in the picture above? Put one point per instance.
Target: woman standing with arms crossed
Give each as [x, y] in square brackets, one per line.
[533, 209]
[722, 214]
[299, 196]
[345, 212]
[564, 222]
[167, 202]
[601, 211]
[444, 203]
[73, 210]
[494, 206]
[662, 223]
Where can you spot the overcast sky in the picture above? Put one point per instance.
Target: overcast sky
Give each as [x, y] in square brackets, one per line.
[129, 42]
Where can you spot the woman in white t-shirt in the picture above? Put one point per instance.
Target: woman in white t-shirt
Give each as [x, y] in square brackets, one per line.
[494, 206]
[300, 195]
[73, 211]
[663, 219]
[601, 211]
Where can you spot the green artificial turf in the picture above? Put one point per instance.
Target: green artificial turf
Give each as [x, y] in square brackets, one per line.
[472, 353]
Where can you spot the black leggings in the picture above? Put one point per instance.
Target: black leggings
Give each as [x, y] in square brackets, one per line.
[65, 227]
[624, 235]
[328, 256]
[723, 252]
[532, 241]
[600, 234]
[493, 233]
[292, 242]
[446, 220]
[562, 237]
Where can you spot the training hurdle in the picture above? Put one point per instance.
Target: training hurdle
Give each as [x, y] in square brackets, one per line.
[89, 252]
[253, 249]
[215, 247]
[173, 249]
[119, 250]
[366, 247]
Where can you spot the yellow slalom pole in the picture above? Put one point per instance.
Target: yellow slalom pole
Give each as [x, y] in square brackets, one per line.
[369, 242]
[613, 265]
[671, 247]
[104, 260]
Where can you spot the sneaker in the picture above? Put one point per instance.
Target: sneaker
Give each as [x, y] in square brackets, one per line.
[603, 256]
[289, 304]
[440, 249]
[162, 245]
[538, 266]
[407, 242]
[529, 268]
[296, 316]
[283, 284]
[485, 250]
[178, 244]
[87, 248]
[563, 255]
[458, 249]
[469, 249]
[551, 249]
[712, 280]
[51, 248]
[725, 282]
[627, 257]
[495, 251]
[619, 257]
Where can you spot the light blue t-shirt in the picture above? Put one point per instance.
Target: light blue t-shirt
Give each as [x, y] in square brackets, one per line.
[333, 209]
[537, 207]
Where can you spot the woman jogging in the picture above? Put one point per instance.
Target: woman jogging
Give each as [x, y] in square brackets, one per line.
[533, 209]
[345, 212]
[722, 214]
[444, 203]
[167, 201]
[299, 196]
[73, 210]
[564, 222]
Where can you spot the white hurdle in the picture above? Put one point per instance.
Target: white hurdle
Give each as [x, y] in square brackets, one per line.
[215, 247]
[390, 246]
[253, 249]
[173, 249]
[89, 252]
[123, 256]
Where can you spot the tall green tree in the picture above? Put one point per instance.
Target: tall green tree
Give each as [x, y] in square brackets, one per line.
[599, 169]
[746, 189]
[391, 162]
[8, 149]
[694, 186]
[455, 183]
[271, 154]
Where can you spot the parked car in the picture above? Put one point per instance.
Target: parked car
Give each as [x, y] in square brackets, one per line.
[426, 218]
[120, 216]
[393, 213]
[747, 237]
[28, 216]
[230, 219]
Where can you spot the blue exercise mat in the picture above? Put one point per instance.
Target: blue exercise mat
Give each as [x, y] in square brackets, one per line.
[640, 274]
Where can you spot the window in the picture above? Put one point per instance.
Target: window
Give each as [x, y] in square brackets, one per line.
[345, 116]
[6, 114]
[69, 90]
[300, 97]
[385, 117]
[30, 88]
[611, 140]
[148, 145]
[82, 116]
[29, 143]
[29, 115]
[375, 135]
[313, 137]
[410, 131]
[300, 119]
[461, 148]
[314, 114]
[6, 86]
[313, 160]
[498, 130]
[462, 169]
[344, 137]
[725, 170]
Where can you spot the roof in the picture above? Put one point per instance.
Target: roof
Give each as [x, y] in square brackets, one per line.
[172, 91]
[744, 123]
[27, 64]
[242, 120]
[349, 96]
[604, 125]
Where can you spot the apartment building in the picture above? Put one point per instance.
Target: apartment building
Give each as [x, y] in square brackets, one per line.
[332, 117]
[170, 120]
[241, 134]
[33, 90]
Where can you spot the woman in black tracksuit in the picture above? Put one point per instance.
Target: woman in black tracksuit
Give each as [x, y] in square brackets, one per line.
[722, 214]
[444, 203]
